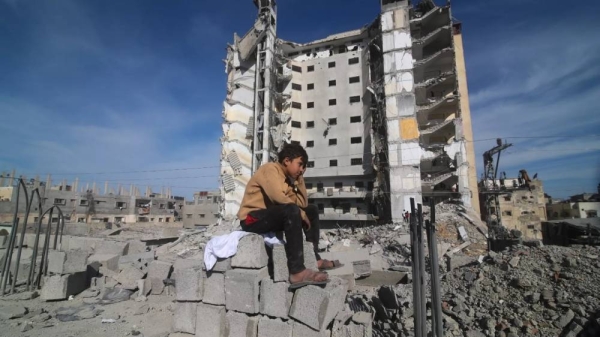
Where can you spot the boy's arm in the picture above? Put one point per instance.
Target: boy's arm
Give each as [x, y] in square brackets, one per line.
[302, 195]
[273, 186]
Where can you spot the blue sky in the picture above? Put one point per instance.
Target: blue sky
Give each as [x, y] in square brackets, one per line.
[89, 86]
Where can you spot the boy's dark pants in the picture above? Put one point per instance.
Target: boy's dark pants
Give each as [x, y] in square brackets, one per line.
[287, 218]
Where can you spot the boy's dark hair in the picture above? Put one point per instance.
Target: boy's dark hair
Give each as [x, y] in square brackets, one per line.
[292, 151]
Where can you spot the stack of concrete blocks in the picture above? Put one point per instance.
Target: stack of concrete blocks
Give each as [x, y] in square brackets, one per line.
[67, 275]
[239, 297]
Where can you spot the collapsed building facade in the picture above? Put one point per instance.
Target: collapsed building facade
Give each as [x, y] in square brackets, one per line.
[382, 111]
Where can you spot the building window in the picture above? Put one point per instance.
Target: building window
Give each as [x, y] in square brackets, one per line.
[310, 69]
[296, 124]
[332, 83]
[60, 201]
[356, 161]
[332, 102]
[202, 216]
[296, 142]
[342, 49]
[319, 187]
[321, 207]
[355, 99]
[161, 206]
[310, 164]
[121, 204]
[355, 119]
[355, 140]
[332, 121]
[310, 105]
[507, 213]
[309, 186]
[333, 141]
[338, 185]
[310, 86]
[370, 186]
[83, 203]
[331, 64]
[359, 184]
[355, 79]
[353, 60]
[293, 54]
[333, 162]
[310, 143]
[296, 105]
[189, 216]
[297, 69]
[310, 124]
[296, 86]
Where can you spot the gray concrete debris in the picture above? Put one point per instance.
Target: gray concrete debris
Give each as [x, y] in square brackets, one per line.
[211, 321]
[275, 299]
[116, 295]
[214, 289]
[60, 287]
[112, 247]
[251, 253]
[242, 289]
[189, 285]
[67, 262]
[128, 277]
[241, 325]
[13, 312]
[273, 328]
[185, 317]
[158, 271]
[316, 306]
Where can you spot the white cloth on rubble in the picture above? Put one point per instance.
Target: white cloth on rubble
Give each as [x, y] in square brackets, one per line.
[225, 246]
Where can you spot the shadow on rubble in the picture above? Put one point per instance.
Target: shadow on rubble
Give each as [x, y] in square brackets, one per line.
[591, 328]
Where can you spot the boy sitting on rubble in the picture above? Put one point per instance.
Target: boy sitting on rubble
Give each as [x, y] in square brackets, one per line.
[276, 200]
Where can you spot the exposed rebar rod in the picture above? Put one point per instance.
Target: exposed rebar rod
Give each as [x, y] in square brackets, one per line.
[28, 203]
[416, 270]
[30, 278]
[420, 247]
[15, 228]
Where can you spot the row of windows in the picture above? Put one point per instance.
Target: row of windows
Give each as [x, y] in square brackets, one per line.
[310, 69]
[357, 184]
[332, 102]
[340, 49]
[332, 83]
[334, 162]
[332, 141]
[331, 121]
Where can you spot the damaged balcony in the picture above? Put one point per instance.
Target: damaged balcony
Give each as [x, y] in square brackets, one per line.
[438, 56]
[440, 84]
[436, 125]
[435, 179]
[424, 23]
[449, 102]
[437, 40]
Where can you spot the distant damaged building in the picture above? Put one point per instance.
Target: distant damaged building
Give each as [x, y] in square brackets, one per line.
[383, 112]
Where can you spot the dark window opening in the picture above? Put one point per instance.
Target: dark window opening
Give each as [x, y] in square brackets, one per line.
[333, 162]
[355, 79]
[355, 140]
[297, 69]
[310, 164]
[338, 185]
[310, 105]
[319, 187]
[321, 207]
[355, 119]
[332, 102]
[310, 69]
[332, 121]
[310, 86]
[296, 105]
[356, 161]
[295, 142]
[332, 83]
[370, 186]
[333, 141]
[310, 143]
[310, 124]
[355, 99]
[359, 184]
[296, 124]
[296, 86]
[353, 60]
[331, 64]
[309, 186]
[342, 49]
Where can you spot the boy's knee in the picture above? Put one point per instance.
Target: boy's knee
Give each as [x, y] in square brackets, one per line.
[311, 210]
[292, 209]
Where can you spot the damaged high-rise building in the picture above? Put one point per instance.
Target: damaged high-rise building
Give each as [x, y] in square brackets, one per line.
[383, 112]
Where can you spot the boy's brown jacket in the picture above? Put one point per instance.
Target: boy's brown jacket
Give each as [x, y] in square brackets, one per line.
[268, 186]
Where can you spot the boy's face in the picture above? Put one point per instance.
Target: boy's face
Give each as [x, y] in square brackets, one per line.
[294, 167]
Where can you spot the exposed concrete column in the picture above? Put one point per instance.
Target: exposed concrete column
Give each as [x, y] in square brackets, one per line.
[404, 151]
[465, 115]
[76, 185]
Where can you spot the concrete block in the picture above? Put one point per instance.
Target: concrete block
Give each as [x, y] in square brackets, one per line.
[276, 299]
[251, 253]
[310, 259]
[211, 321]
[360, 326]
[280, 267]
[301, 330]
[241, 325]
[273, 328]
[361, 268]
[316, 306]
[157, 272]
[60, 263]
[112, 247]
[214, 289]
[242, 289]
[108, 261]
[181, 264]
[81, 243]
[144, 287]
[189, 285]
[60, 287]
[128, 278]
[138, 260]
[222, 265]
[184, 319]
[136, 247]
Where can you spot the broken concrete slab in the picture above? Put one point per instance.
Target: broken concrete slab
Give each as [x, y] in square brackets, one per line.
[184, 319]
[60, 287]
[316, 306]
[251, 253]
[13, 312]
[381, 278]
[108, 261]
[128, 277]
[158, 271]
[112, 247]
[115, 295]
[74, 261]
[241, 325]
[110, 232]
[347, 258]
[136, 259]
[361, 268]
[242, 289]
[211, 321]
[181, 264]
[278, 301]
[189, 285]
[301, 330]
